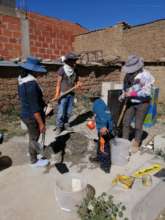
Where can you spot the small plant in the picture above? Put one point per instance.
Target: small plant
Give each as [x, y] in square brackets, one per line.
[101, 208]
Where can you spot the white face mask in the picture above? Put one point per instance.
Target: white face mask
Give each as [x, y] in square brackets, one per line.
[68, 70]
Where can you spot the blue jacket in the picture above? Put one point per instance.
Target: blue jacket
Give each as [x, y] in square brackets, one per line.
[31, 98]
[102, 115]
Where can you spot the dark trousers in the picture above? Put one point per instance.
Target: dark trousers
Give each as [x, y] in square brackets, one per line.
[104, 157]
[34, 134]
[137, 111]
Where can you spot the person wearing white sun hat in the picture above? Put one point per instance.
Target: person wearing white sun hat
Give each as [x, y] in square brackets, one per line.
[137, 88]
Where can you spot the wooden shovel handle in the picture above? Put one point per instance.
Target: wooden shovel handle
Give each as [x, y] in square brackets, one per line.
[121, 114]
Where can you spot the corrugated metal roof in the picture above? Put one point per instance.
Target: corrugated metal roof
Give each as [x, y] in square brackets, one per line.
[8, 63]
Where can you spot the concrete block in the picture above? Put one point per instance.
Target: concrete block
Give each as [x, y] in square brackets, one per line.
[106, 86]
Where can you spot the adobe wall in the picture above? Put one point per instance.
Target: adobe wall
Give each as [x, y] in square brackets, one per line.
[122, 40]
[158, 72]
[51, 38]
[91, 79]
[108, 40]
[146, 41]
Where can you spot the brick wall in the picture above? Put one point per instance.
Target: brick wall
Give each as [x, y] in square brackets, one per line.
[10, 37]
[91, 79]
[108, 40]
[9, 86]
[158, 72]
[51, 38]
[146, 41]
[121, 40]
[8, 91]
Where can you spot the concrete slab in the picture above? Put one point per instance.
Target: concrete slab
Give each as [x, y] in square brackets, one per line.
[29, 193]
[143, 203]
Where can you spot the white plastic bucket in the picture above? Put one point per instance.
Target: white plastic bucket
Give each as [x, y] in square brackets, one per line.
[70, 191]
[120, 151]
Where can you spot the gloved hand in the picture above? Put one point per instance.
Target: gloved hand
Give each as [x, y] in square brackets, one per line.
[103, 131]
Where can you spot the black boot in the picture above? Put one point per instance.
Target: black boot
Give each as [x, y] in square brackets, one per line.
[105, 169]
[94, 159]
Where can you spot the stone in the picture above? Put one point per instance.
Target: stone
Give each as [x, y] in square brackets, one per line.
[159, 142]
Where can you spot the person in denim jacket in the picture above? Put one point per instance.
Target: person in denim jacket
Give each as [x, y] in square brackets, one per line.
[32, 106]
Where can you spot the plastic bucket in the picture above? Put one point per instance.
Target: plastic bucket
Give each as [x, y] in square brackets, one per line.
[120, 151]
[70, 191]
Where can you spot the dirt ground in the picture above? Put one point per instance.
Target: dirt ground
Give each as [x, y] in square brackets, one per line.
[17, 149]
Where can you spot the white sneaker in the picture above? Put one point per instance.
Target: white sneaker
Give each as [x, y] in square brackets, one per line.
[41, 163]
[39, 156]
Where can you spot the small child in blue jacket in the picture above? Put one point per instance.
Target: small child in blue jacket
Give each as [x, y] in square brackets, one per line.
[104, 127]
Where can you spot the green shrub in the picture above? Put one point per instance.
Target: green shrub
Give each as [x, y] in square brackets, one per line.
[101, 208]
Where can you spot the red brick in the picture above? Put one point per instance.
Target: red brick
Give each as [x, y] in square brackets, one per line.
[10, 19]
[16, 34]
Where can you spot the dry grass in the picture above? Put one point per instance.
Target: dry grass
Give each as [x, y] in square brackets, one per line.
[10, 124]
[161, 111]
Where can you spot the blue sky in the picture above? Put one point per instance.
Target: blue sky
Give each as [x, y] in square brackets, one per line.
[95, 14]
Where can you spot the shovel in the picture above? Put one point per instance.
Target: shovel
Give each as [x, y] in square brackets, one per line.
[65, 93]
[117, 129]
[49, 110]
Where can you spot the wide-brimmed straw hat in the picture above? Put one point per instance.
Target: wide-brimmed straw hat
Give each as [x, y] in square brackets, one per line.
[133, 64]
[33, 64]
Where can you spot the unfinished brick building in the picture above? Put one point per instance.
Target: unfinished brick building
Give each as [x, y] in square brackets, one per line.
[23, 34]
[117, 42]
[102, 51]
